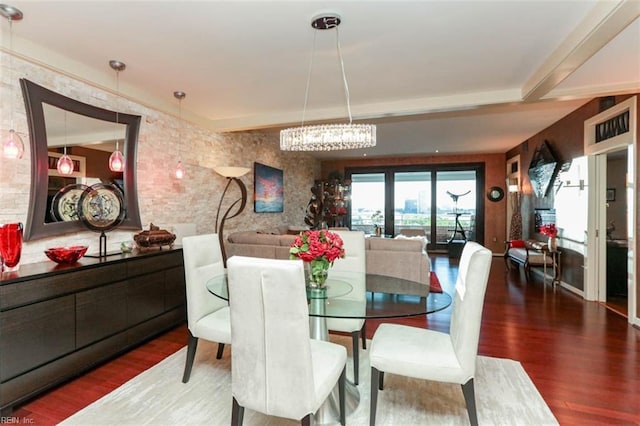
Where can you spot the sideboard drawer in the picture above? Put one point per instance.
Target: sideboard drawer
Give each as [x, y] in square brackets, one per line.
[36, 334]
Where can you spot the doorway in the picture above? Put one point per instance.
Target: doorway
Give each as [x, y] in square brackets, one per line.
[617, 241]
[608, 138]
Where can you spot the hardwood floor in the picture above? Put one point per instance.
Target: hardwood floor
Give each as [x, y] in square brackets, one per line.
[583, 358]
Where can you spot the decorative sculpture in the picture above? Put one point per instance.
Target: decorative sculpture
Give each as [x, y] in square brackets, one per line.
[313, 213]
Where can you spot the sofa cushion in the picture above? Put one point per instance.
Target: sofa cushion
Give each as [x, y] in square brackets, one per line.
[394, 245]
[287, 240]
[282, 253]
[269, 231]
[420, 238]
[282, 229]
[251, 250]
[253, 237]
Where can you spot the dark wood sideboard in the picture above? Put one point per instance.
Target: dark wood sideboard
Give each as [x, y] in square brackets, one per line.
[57, 321]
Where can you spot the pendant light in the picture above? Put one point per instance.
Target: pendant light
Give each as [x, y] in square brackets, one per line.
[12, 145]
[328, 137]
[179, 169]
[116, 160]
[65, 163]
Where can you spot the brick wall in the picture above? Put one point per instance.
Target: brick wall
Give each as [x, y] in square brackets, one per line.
[163, 199]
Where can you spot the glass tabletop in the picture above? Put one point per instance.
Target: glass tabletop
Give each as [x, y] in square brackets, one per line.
[335, 287]
[387, 297]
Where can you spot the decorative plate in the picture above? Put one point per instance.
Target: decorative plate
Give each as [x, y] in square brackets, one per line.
[64, 205]
[101, 207]
[495, 193]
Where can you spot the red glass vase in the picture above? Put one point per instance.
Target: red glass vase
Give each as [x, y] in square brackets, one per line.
[10, 245]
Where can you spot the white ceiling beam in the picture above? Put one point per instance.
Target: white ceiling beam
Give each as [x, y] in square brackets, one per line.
[602, 25]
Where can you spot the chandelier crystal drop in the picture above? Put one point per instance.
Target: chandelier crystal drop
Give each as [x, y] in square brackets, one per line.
[328, 137]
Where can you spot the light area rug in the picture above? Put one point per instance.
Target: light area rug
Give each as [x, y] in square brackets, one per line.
[505, 395]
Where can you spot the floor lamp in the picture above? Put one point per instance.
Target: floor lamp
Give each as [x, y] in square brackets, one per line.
[232, 174]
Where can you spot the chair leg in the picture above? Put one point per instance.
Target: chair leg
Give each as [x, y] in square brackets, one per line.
[363, 333]
[342, 395]
[220, 350]
[355, 337]
[306, 420]
[373, 405]
[381, 381]
[191, 354]
[237, 413]
[470, 400]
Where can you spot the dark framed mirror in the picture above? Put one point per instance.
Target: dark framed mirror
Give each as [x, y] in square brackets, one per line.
[88, 134]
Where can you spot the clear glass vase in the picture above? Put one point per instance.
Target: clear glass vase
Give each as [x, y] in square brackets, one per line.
[317, 271]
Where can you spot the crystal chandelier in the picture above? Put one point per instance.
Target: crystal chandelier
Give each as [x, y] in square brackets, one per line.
[328, 137]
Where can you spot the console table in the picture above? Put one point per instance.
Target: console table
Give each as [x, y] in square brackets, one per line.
[57, 321]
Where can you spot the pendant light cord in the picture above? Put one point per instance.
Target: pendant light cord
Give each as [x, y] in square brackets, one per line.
[13, 98]
[344, 76]
[65, 133]
[117, 118]
[306, 92]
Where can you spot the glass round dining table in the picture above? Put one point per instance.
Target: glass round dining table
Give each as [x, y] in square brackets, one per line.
[385, 298]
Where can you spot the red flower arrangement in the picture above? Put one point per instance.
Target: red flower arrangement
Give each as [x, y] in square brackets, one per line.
[319, 248]
[317, 245]
[549, 230]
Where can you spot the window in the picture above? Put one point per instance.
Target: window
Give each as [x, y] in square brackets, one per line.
[445, 201]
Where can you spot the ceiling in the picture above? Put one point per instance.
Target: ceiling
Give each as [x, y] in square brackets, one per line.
[447, 77]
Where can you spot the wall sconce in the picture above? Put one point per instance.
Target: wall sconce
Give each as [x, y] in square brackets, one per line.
[232, 174]
[580, 185]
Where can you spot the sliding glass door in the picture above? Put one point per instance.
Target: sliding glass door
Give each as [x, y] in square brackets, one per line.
[456, 201]
[367, 202]
[412, 202]
[444, 202]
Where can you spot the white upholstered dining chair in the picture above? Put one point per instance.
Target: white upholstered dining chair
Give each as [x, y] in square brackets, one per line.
[276, 368]
[353, 261]
[207, 315]
[433, 355]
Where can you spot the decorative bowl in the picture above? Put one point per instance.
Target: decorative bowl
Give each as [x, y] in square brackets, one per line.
[66, 254]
